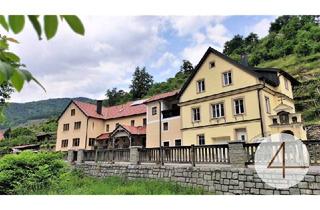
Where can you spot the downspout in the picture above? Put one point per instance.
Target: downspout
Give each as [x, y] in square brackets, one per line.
[85, 146]
[260, 112]
[160, 124]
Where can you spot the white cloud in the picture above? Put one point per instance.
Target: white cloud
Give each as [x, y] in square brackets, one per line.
[166, 59]
[186, 25]
[214, 36]
[71, 65]
[261, 28]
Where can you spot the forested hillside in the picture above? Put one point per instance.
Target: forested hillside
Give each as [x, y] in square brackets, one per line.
[24, 113]
[293, 45]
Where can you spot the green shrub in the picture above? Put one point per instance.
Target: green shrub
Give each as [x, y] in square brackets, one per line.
[28, 172]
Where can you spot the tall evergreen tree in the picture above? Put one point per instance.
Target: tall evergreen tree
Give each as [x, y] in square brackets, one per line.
[141, 83]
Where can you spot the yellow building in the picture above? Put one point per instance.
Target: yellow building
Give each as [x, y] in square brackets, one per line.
[221, 101]
[82, 124]
[224, 100]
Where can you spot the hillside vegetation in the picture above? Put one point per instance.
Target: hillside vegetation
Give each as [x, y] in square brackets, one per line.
[23, 114]
[293, 45]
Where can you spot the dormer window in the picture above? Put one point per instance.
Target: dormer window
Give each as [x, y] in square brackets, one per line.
[212, 64]
[227, 78]
[73, 112]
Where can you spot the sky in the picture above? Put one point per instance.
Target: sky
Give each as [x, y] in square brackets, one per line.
[70, 65]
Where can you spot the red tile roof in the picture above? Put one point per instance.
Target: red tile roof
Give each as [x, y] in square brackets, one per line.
[162, 96]
[135, 130]
[112, 112]
[103, 136]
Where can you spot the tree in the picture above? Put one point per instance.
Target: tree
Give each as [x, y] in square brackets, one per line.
[186, 67]
[141, 83]
[235, 45]
[115, 97]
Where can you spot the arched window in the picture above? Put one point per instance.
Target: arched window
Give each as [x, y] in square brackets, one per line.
[288, 132]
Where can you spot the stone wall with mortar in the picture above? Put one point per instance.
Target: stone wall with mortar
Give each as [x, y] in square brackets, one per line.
[217, 179]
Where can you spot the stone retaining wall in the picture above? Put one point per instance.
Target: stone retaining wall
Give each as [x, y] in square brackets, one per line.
[217, 179]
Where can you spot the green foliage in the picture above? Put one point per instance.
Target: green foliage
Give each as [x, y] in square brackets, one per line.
[293, 44]
[115, 97]
[75, 183]
[50, 25]
[29, 172]
[141, 83]
[33, 112]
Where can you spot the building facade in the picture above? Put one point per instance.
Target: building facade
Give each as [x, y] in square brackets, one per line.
[225, 101]
[221, 101]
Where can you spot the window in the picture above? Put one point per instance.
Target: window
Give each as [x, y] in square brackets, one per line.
[76, 142]
[217, 110]
[107, 127]
[201, 139]
[275, 121]
[177, 142]
[294, 119]
[144, 121]
[286, 83]
[268, 109]
[238, 106]
[73, 112]
[166, 144]
[66, 127]
[154, 110]
[91, 141]
[227, 78]
[201, 86]
[241, 134]
[196, 114]
[77, 125]
[165, 126]
[212, 64]
[117, 124]
[92, 125]
[132, 122]
[64, 143]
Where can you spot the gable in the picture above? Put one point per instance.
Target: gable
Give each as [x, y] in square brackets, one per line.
[66, 114]
[213, 77]
[283, 107]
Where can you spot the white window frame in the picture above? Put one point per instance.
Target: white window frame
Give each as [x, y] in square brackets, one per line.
[235, 106]
[216, 110]
[201, 86]
[227, 78]
[195, 114]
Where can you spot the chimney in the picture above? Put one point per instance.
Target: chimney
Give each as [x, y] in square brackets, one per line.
[99, 106]
[244, 60]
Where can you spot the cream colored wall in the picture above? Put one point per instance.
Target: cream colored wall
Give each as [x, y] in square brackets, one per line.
[71, 133]
[251, 111]
[213, 79]
[282, 89]
[153, 128]
[95, 128]
[138, 121]
[211, 133]
[174, 130]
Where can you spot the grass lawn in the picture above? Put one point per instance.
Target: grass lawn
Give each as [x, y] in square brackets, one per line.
[76, 184]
